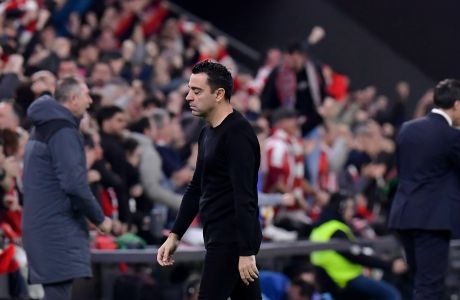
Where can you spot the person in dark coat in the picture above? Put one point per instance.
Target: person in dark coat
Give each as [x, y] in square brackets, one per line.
[426, 206]
[57, 198]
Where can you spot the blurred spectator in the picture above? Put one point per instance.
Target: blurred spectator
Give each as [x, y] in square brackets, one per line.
[9, 116]
[174, 168]
[67, 67]
[298, 83]
[272, 60]
[112, 123]
[152, 176]
[284, 166]
[101, 74]
[103, 181]
[336, 84]
[9, 79]
[346, 268]
[277, 286]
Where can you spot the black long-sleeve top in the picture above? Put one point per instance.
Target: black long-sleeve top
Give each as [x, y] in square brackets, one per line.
[224, 187]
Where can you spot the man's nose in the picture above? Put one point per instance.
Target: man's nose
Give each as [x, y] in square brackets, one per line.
[189, 97]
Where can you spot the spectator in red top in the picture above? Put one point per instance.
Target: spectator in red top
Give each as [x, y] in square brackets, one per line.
[285, 166]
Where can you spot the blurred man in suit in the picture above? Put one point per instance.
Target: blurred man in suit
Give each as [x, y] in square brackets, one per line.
[426, 207]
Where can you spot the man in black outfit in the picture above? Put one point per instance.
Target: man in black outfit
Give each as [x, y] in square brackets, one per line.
[426, 207]
[223, 190]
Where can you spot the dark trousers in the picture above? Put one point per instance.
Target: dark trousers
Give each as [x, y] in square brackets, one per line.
[427, 254]
[58, 290]
[221, 278]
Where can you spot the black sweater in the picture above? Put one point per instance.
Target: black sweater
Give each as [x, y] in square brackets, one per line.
[224, 187]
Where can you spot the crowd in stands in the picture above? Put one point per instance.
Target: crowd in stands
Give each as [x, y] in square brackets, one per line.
[319, 136]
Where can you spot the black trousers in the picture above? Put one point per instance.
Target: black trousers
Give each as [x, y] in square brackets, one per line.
[221, 278]
[58, 290]
[427, 255]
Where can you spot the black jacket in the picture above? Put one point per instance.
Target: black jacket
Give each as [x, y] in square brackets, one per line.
[428, 158]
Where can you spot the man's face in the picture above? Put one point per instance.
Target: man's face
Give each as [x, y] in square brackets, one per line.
[297, 60]
[43, 81]
[81, 101]
[67, 68]
[117, 123]
[7, 117]
[101, 74]
[201, 99]
[348, 211]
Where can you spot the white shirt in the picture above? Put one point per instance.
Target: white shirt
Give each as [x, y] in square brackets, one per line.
[442, 113]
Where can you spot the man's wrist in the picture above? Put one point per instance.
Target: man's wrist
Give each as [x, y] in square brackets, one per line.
[174, 236]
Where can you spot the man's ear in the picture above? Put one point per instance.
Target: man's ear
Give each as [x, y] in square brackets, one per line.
[457, 104]
[220, 94]
[73, 96]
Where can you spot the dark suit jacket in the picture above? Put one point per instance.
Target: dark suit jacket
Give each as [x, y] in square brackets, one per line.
[428, 195]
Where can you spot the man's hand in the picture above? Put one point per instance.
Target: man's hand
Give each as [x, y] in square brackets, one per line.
[321, 198]
[248, 269]
[12, 166]
[288, 199]
[94, 176]
[106, 226]
[399, 266]
[164, 255]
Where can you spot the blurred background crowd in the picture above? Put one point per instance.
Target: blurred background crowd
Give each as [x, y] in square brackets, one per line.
[320, 135]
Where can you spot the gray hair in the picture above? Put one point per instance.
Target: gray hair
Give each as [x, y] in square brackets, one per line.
[65, 88]
[160, 117]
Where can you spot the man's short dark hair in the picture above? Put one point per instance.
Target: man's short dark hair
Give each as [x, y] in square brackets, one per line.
[152, 100]
[107, 113]
[298, 47]
[283, 113]
[140, 125]
[218, 76]
[446, 93]
[65, 88]
[130, 145]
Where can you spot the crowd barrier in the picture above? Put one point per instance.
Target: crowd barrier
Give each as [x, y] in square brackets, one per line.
[268, 250]
[106, 262]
